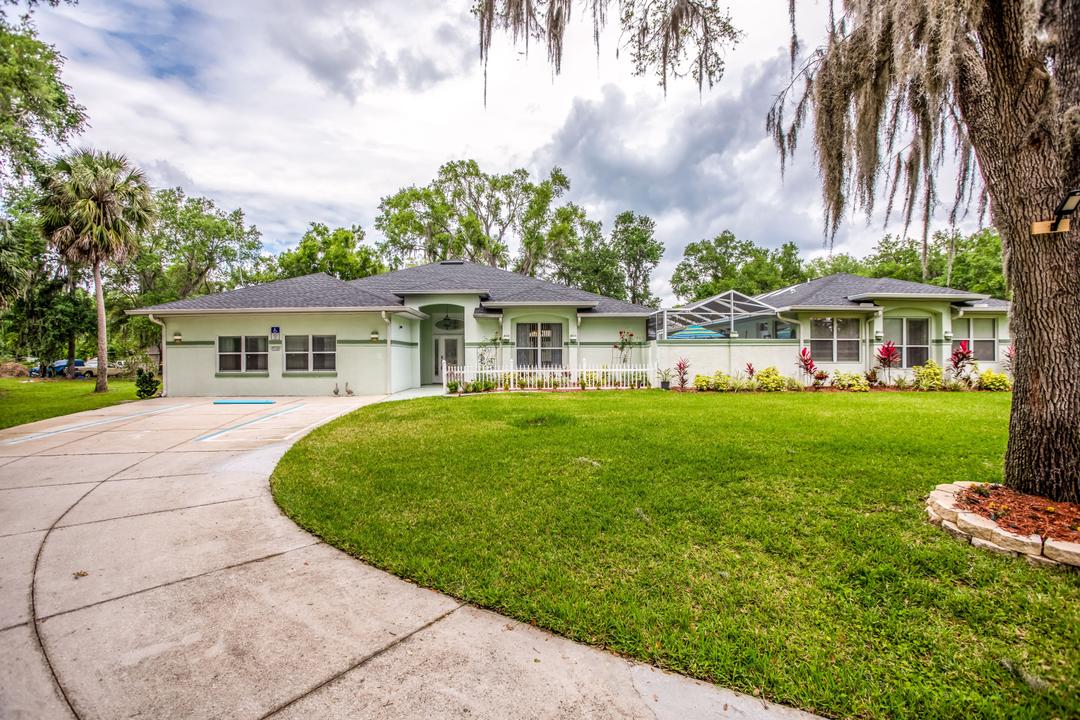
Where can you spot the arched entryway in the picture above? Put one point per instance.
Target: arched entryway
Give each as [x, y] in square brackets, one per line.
[442, 340]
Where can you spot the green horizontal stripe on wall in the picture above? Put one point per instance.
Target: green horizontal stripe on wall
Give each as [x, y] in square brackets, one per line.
[610, 344]
[242, 375]
[193, 343]
[316, 374]
[404, 343]
[372, 343]
[728, 341]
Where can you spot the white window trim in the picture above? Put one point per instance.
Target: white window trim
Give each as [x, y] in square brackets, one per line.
[835, 348]
[539, 348]
[243, 354]
[971, 340]
[311, 353]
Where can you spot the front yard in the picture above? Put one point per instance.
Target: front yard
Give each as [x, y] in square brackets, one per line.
[771, 543]
[23, 401]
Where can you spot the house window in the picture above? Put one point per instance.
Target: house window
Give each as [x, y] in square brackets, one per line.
[980, 335]
[834, 339]
[912, 337]
[243, 353]
[306, 353]
[539, 344]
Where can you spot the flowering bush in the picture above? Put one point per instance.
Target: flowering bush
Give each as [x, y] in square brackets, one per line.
[855, 382]
[994, 381]
[720, 382]
[929, 376]
[682, 373]
[702, 382]
[770, 380]
[888, 356]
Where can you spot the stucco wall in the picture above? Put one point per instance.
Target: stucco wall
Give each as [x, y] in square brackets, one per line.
[191, 365]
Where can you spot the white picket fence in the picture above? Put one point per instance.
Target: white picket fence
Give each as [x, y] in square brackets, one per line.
[458, 378]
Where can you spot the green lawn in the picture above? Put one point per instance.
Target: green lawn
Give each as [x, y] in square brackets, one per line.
[770, 543]
[23, 402]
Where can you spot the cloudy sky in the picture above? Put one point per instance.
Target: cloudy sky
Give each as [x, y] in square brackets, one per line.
[313, 111]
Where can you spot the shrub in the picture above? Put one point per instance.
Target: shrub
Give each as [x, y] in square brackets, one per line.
[853, 381]
[820, 376]
[806, 362]
[750, 370]
[902, 383]
[872, 378]
[702, 382]
[146, 385]
[682, 373]
[721, 382]
[770, 380]
[888, 357]
[793, 385]
[451, 386]
[928, 376]
[994, 381]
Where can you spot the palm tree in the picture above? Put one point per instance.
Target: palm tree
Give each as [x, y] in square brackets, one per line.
[93, 206]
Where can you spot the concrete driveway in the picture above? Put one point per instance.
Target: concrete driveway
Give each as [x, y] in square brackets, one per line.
[145, 571]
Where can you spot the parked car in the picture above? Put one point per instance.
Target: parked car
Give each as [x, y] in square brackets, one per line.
[90, 369]
[57, 368]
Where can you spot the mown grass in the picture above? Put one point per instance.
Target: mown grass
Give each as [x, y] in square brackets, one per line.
[771, 543]
[23, 402]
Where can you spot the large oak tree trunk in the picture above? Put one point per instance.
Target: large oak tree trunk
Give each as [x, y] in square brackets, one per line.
[102, 376]
[1014, 119]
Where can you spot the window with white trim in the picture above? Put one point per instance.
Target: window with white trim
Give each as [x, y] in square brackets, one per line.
[539, 344]
[911, 337]
[980, 335]
[243, 353]
[834, 339]
[310, 353]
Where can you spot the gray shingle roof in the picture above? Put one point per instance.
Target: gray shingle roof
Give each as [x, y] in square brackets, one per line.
[836, 291]
[316, 291]
[988, 304]
[500, 286]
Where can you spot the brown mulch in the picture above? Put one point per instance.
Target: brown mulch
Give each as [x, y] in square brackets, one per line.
[14, 369]
[1023, 514]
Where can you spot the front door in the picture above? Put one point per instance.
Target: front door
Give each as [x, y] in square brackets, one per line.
[449, 350]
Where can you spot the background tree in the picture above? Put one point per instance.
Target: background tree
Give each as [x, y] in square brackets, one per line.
[587, 260]
[93, 204]
[36, 107]
[725, 263]
[14, 263]
[471, 214]
[638, 252]
[897, 84]
[340, 252]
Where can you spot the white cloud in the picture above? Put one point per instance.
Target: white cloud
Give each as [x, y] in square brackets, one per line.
[314, 111]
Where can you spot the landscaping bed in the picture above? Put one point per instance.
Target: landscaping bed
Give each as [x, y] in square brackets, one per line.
[1023, 514]
[774, 543]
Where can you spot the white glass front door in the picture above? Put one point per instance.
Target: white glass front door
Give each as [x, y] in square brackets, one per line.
[448, 350]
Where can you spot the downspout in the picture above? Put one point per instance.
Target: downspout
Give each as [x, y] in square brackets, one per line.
[577, 346]
[388, 319]
[164, 374]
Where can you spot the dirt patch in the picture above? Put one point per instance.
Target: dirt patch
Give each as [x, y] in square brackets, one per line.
[13, 369]
[1022, 514]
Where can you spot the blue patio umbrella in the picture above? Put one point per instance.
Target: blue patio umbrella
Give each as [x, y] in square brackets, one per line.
[695, 332]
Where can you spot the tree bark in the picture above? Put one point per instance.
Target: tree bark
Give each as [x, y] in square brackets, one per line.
[102, 376]
[1013, 113]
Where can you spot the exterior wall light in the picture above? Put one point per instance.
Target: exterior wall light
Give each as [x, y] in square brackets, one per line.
[374, 336]
[948, 334]
[177, 337]
[1062, 212]
[879, 335]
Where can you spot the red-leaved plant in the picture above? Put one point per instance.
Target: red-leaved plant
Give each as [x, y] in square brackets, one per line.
[820, 376]
[888, 356]
[682, 373]
[750, 370]
[1008, 361]
[806, 362]
[960, 362]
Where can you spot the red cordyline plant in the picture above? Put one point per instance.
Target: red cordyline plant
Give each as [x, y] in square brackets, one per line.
[888, 356]
[750, 370]
[960, 362]
[806, 362]
[682, 372]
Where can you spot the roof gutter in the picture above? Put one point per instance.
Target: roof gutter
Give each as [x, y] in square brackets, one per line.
[918, 296]
[272, 311]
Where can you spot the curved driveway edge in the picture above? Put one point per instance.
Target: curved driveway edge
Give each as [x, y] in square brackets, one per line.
[146, 571]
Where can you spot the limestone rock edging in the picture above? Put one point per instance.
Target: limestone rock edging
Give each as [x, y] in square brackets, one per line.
[969, 527]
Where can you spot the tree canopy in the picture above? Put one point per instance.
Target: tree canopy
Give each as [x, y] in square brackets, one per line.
[340, 252]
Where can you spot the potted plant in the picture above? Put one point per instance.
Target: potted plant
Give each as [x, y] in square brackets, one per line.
[665, 378]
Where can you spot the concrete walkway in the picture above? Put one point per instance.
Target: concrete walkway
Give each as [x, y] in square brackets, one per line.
[145, 571]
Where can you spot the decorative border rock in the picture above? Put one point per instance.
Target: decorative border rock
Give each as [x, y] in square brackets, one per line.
[972, 528]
